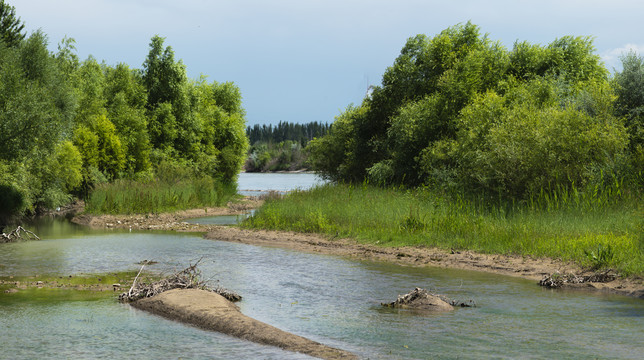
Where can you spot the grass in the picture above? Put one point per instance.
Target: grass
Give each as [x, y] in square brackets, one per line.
[51, 288]
[131, 197]
[596, 228]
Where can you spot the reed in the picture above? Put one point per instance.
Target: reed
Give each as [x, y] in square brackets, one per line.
[568, 224]
[131, 197]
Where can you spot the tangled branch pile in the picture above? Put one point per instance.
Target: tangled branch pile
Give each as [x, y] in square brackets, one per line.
[557, 280]
[18, 234]
[188, 278]
[421, 297]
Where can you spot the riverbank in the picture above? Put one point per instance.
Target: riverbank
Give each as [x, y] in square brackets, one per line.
[170, 221]
[526, 267]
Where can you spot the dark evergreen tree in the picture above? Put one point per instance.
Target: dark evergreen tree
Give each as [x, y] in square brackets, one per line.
[10, 25]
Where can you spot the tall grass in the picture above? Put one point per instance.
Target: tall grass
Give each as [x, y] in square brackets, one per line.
[571, 225]
[131, 197]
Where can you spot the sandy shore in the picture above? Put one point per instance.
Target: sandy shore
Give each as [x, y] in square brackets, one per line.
[524, 267]
[211, 311]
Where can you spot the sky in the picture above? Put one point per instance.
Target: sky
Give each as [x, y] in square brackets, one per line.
[307, 60]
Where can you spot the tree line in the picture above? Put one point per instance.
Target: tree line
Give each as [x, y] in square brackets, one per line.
[283, 131]
[461, 111]
[281, 147]
[67, 125]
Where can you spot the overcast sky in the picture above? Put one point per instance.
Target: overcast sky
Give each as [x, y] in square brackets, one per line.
[306, 60]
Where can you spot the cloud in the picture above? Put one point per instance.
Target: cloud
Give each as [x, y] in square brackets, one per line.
[612, 57]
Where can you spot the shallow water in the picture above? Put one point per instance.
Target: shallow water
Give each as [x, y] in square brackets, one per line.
[326, 298]
[254, 184]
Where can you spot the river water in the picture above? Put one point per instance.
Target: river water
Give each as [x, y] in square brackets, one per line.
[329, 299]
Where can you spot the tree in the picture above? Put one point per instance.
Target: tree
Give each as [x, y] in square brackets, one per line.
[167, 84]
[10, 26]
[629, 85]
[460, 109]
[37, 104]
[524, 141]
[125, 100]
[163, 78]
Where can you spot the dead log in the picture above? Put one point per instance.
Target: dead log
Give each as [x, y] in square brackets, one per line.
[421, 299]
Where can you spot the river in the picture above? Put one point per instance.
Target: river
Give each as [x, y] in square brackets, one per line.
[329, 299]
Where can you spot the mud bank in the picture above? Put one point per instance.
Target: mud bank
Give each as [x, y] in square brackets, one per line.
[211, 311]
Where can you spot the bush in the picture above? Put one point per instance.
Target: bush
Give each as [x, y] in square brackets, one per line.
[524, 141]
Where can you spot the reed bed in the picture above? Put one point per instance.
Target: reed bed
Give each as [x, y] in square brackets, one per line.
[131, 197]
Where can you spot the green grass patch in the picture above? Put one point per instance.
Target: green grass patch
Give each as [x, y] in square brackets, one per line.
[79, 287]
[588, 227]
[131, 197]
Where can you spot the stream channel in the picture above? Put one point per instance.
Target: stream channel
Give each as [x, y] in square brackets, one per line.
[329, 299]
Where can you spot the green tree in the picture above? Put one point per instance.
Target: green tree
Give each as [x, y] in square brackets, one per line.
[90, 84]
[166, 83]
[10, 25]
[67, 57]
[332, 155]
[126, 98]
[163, 77]
[629, 85]
[37, 104]
[111, 155]
[525, 141]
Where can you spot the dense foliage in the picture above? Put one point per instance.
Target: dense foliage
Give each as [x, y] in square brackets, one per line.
[629, 85]
[461, 111]
[67, 126]
[281, 147]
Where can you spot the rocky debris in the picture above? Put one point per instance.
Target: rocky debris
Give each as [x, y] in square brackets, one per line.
[423, 300]
[188, 278]
[147, 262]
[557, 280]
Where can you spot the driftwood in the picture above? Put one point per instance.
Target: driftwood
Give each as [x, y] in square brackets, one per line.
[422, 299]
[188, 278]
[18, 234]
[557, 280]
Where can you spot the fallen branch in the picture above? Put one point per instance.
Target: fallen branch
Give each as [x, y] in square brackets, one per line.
[557, 280]
[15, 235]
[422, 299]
[188, 278]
